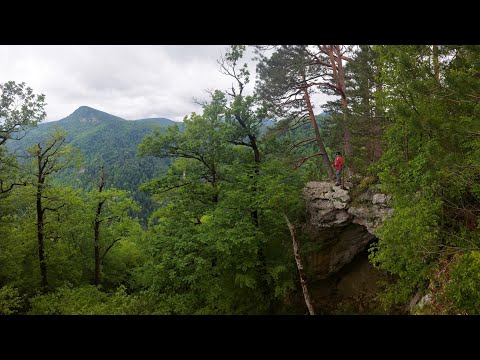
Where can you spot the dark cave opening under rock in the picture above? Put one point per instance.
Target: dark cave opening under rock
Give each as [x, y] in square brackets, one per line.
[351, 290]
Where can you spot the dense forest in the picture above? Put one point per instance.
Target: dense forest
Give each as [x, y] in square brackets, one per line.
[99, 215]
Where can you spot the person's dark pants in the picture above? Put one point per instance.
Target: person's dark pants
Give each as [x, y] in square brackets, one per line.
[338, 175]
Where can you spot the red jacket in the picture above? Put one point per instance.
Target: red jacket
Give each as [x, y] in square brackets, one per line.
[338, 163]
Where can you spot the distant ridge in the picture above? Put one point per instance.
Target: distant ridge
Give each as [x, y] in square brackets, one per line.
[161, 121]
[88, 114]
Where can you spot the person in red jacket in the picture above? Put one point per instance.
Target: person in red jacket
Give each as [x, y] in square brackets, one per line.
[338, 165]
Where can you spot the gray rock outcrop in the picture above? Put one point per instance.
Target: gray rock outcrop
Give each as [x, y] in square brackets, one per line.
[340, 229]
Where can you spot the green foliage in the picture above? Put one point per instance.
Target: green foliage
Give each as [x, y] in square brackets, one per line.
[10, 300]
[429, 164]
[219, 241]
[18, 241]
[68, 237]
[20, 109]
[209, 264]
[408, 244]
[463, 289]
[85, 300]
[9, 173]
[65, 236]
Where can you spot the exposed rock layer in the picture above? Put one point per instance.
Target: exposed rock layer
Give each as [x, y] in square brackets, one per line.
[340, 229]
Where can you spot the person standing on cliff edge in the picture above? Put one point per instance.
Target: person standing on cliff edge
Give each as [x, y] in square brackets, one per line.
[338, 165]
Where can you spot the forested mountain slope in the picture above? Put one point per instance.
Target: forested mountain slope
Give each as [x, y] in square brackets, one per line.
[105, 139]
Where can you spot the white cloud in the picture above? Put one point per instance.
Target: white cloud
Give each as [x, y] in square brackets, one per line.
[130, 81]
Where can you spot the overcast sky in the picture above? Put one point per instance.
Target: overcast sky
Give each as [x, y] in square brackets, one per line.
[132, 82]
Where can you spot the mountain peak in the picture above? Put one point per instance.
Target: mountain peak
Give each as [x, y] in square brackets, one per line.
[85, 108]
[87, 111]
[90, 115]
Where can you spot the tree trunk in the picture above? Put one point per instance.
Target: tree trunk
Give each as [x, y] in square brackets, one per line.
[256, 153]
[326, 160]
[436, 65]
[262, 269]
[97, 251]
[377, 146]
[261, 254]
[301, 271]
[339, 76]
[214, 184]
[347, 141]
[40, 224]
[41, 254]
[96, 229]
[348, 150]
[378, 123]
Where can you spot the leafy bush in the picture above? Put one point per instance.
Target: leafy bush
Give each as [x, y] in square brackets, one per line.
[407, 246]
[10, 300]
[464, 286]
[87, 300]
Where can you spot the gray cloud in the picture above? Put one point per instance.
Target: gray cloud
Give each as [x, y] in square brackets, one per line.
[132, 82]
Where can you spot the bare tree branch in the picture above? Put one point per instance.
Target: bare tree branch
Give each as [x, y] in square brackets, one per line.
[301, 143]
[302, 160]
[109, 247]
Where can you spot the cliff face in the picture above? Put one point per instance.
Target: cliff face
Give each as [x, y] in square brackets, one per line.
[340, 229]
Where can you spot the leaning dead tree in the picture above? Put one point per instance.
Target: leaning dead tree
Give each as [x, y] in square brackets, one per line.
[301, 271]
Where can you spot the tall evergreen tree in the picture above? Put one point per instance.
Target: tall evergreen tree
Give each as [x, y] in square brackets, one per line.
[286, 81]
[365, 120]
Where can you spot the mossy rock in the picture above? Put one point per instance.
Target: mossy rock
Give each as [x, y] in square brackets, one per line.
[363, 192]
[364, 185]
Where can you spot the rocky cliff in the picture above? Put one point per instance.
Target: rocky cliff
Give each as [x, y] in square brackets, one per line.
[341, 228]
